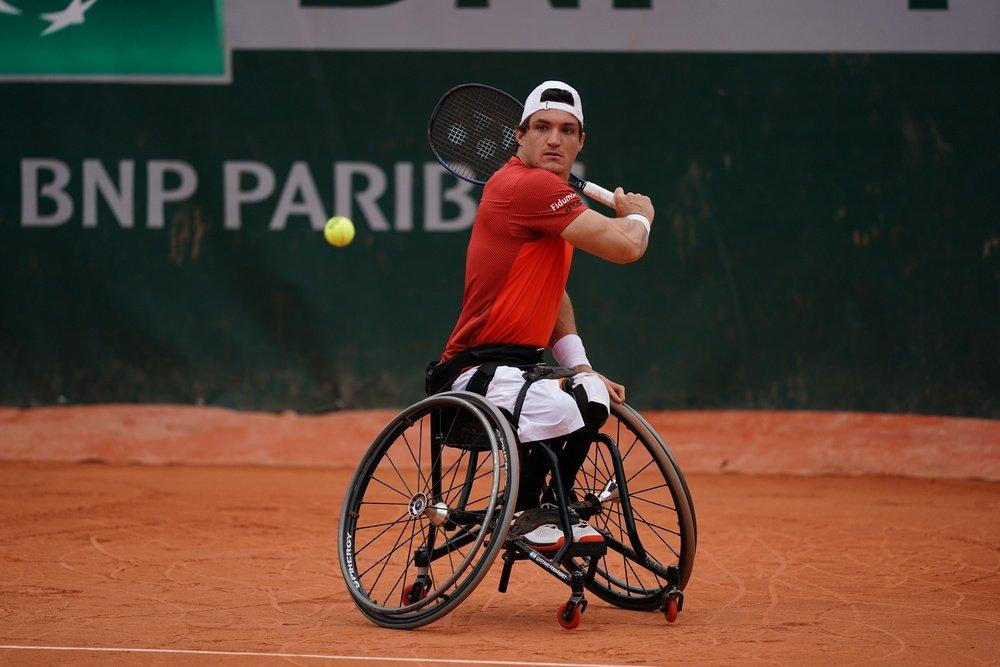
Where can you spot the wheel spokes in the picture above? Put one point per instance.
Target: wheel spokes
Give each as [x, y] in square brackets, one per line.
[653, 519]
[395, 549]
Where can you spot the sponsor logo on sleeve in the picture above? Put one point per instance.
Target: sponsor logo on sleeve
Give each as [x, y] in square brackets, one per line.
[562, 201]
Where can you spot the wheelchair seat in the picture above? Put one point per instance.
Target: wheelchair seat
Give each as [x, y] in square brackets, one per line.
[454, 427]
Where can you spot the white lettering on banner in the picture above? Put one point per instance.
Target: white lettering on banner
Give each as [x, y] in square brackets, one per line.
[157, 193]
[54, 190]
[300, 182]
[361, 189]
[403, 173]
[814, 26]
[344, 173]
[119, 199]
[457, 194]
[263, 188]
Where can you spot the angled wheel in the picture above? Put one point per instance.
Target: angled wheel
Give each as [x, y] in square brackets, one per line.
[659, 506]
[429, 507]
[671, 609]
[571, 620]
[416, 591]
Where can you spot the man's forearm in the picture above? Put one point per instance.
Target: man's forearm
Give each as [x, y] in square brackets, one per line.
[570, 351]
[565, 320]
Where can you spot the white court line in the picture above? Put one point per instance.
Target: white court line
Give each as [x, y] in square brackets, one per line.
[317, 656]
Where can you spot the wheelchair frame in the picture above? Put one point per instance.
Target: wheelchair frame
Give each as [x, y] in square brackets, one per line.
[452, 523]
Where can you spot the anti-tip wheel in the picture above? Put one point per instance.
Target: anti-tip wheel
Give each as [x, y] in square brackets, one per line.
[670, 609]
[414, 592]
[576, 617]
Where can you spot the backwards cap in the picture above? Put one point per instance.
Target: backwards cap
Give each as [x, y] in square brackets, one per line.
[534, 102]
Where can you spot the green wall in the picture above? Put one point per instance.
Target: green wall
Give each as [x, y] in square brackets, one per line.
[827, 234]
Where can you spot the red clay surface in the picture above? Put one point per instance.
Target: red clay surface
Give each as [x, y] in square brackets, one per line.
[708, 441]
[790, 569]
[794, 570]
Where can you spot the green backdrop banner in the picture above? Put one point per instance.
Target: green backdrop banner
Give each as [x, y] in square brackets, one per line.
[827, 232]
[113, 40]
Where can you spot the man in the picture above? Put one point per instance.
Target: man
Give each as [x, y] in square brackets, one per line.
[515, 303]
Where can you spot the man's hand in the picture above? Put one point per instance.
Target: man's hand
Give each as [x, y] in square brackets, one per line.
[615, 391]
[632, 203]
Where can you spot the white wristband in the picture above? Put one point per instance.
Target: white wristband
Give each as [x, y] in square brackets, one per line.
[641, 218]
[569, 352]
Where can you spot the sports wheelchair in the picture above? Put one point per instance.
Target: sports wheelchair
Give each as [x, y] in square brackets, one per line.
[431, 504]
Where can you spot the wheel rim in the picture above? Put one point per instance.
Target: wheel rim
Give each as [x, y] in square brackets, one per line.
[395, 507]
[654, 508]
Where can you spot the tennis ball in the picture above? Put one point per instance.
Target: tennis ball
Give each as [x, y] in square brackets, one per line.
[339, 231]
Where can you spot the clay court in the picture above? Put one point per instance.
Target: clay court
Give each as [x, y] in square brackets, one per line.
[141, 552]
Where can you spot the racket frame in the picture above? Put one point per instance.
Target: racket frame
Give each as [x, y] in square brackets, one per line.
[588, 188]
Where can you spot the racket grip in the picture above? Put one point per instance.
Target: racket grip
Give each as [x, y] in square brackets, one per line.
[595, 191]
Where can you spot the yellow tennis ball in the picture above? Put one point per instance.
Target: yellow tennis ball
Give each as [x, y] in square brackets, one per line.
[339, 231]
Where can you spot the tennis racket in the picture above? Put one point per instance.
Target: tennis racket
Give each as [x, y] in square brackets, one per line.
[471, 133]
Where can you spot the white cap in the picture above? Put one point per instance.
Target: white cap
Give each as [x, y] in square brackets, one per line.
[534, 102]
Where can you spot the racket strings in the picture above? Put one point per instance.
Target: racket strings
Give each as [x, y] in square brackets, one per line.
[472, 131]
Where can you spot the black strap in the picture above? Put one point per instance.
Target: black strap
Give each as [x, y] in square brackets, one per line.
[479, 383]
[533, 375]
[440, 375]
[519, 403]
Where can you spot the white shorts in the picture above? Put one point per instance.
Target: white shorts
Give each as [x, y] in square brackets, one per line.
[548, 411]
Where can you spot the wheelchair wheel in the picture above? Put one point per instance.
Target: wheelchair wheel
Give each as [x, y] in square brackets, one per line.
[428, 509]
[661, 513]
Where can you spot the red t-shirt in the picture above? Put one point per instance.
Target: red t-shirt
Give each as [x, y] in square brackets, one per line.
[517, 264]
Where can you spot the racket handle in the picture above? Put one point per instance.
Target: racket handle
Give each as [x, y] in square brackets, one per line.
[595, 191]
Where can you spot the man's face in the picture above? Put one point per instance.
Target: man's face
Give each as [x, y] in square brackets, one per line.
[552, 142]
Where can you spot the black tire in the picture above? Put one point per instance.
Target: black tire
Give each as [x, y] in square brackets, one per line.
[476, 480]
[661, 507]
[673, 462]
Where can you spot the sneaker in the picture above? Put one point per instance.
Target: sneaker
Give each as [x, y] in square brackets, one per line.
[539, 528]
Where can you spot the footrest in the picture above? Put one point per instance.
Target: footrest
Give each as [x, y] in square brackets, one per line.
[591, 549]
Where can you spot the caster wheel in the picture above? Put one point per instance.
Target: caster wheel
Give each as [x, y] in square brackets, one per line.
[670, 609]
[576, 617]
[414, 592]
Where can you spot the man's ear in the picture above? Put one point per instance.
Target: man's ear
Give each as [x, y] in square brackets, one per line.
[519, 136]
[583, 139]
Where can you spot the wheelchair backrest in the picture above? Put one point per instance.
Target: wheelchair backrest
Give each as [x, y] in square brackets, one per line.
[455, 427]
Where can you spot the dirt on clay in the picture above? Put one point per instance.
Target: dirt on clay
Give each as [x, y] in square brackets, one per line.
[818, 570]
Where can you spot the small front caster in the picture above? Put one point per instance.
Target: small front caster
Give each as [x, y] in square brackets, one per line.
[570, 614]
[673, 602]
[417, 591]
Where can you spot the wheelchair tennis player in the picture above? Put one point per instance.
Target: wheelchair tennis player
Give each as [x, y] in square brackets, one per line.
[515, 304]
